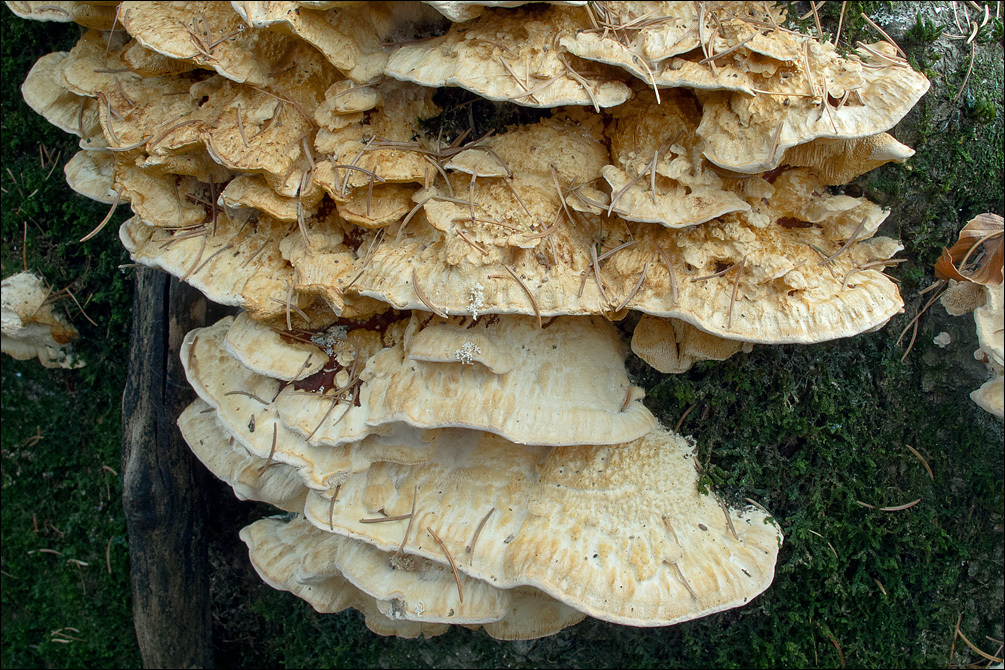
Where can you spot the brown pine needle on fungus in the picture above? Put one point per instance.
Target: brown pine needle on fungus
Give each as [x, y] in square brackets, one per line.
[453, 566]
[635, 290]
[381, 519]
[272, 452]
[422, 296]
[533, 301]
[411, 518]
[470, 549]
[680, 576]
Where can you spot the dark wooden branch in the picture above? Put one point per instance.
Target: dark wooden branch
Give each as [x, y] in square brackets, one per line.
[163, 483]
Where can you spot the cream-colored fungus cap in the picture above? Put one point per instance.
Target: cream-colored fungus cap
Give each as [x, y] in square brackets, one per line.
[510, 55]
[276, 555]
[410, 588]
[658, 173]
[379, 206]
[991, 335]
[235, 265]
[148, 63]
[962, 297]
[131, 109]
[672, 346]
[510, 190]
[264, 351]
[44, 93]
[246, 407]
[991, 396]
[30, 325]
[678, 44]
[350, 34]
[210, 35]
[500, 374]
[161, 199]
[851, 98]
[840, 161]
[252, 478]
[801, 266]
[100, 15]
[737, 280]
[253, 190]
[619, 532]
[92, 175]
[564, 384]
[990, 321]
[465, 11]
[381, 147]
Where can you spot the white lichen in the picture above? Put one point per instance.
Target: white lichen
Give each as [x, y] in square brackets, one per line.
[327, 338]
[466, 354]
[477, 301]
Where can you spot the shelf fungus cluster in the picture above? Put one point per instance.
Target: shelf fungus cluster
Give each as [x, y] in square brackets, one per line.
[452, 471]
[32, 326]
[426, 369]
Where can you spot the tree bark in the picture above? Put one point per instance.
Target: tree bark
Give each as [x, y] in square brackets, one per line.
[163, 484]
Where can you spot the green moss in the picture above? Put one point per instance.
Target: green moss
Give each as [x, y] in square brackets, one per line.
[61, 429]
[853, 26]
[924, 31]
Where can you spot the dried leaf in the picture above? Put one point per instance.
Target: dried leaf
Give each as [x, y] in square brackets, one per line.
[946, 269]
[988, 229]
[989, 272]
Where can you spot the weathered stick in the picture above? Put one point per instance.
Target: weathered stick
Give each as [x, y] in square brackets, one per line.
[162, 486]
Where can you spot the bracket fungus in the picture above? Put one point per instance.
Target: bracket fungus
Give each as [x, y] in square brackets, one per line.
[974, 269]
[32, 327]
[426, 367]
[989, 319]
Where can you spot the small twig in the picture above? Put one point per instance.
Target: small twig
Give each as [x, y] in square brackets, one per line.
[272, 452]
[847, 244]
[896, 508]
[108, 217]
[956, 633]
[970, 68]
[596, 274]
[729, 521]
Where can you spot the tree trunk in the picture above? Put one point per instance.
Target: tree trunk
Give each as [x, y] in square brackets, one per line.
[163, 483]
